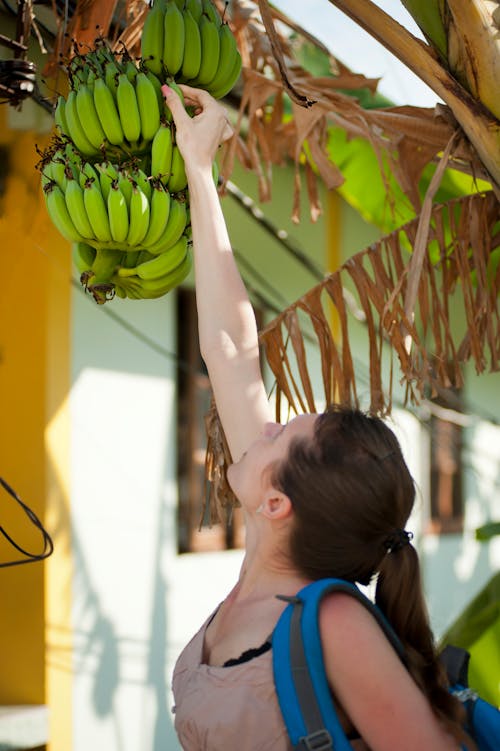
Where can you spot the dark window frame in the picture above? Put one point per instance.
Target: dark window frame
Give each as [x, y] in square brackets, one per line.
[194, 534]
[447, 499]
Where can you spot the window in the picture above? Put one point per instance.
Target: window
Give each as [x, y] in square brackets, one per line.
[447, 503]
[193, 402]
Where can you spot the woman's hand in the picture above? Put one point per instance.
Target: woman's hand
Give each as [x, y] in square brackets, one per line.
[200, 136]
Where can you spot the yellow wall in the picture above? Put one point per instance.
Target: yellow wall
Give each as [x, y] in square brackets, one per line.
[35, 313]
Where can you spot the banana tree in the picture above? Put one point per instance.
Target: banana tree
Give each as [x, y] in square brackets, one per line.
[460, 62]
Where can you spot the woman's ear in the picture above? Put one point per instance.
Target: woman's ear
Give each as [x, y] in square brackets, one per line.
[276, 505]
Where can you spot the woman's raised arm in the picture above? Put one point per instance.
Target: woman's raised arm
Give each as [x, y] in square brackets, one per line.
[226, 320]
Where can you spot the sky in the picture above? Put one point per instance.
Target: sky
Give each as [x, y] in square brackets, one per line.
[361, 52]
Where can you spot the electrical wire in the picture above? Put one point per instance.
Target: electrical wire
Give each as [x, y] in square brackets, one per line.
[48, 545]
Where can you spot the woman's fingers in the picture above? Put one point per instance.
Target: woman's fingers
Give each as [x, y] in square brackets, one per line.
[196, 96]
[200, 135]
[175, 105]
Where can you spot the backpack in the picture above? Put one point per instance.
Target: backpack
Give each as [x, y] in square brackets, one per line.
[302, 686]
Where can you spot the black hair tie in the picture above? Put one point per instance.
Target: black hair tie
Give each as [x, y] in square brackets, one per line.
[397, 540]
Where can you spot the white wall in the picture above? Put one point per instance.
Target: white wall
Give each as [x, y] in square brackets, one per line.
[123, 500]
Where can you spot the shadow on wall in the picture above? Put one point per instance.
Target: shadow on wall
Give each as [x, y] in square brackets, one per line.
[102, 656]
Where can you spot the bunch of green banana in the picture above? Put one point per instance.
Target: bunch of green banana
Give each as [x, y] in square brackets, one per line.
[116, 109]
[114, 179]
[188, 41]
[110, 208]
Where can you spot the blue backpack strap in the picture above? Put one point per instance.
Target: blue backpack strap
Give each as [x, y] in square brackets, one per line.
[299, 672]
[483, 719]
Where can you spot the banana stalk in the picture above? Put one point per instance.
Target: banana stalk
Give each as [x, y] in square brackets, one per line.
[474, 50]
[479, 122]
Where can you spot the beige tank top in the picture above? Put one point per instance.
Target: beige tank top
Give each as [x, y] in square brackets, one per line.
[226, 708]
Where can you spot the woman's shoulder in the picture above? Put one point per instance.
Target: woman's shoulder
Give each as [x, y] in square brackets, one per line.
[371, 683]
[343, 617]
[354, 641]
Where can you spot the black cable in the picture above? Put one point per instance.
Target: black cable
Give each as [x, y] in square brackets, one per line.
[48, 545]
[282, 236]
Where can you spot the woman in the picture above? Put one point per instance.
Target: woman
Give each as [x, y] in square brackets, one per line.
[324, 495]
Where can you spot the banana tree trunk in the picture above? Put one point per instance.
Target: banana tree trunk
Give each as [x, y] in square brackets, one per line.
[477, 122]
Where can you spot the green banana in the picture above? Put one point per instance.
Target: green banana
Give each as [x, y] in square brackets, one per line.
[111, 73]
[191, 60]
[142, 180]
[107, 173]
[87, 114]
[60, 116]
[173, 39]
[157, 84]
[87, 172]
[159, 211]
[108, 113]
[125, 185]
[228, 84]
[161, 153]
[152, 40]
[128, 109]
[211, 11]
[176, 225]
[131, 71]
[58, 173]
[195, 7]
[151, 288]
[117, 214]
[228, 57]
[178, 179]
[165, 262]
[83, 256]
[97, 213]
[76, 209]
[75, 129]
[175, 86]
[58, 212]
[147, 102]
[73, 159]
[46, 176]
[138, 217]
[210, 50]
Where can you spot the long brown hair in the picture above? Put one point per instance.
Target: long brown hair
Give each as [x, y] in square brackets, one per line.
[351, 490]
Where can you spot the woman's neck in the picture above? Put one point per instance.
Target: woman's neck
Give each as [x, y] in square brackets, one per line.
[264, 575]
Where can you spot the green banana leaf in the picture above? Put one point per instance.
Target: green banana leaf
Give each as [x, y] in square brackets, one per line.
[477, 629]
[487, 531]
[364, 189]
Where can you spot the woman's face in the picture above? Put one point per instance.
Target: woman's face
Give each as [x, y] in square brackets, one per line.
[250, 477]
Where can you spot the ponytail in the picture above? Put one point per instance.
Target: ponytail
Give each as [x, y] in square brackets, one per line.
[399, 595]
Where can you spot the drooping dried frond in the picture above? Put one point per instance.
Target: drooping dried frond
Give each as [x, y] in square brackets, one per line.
[463, 235]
